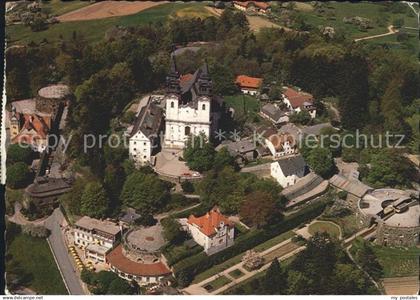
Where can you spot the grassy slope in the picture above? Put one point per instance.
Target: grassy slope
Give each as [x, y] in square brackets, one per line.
[94, 30]
[320, 226]
[58, 7]
[237, 103]
[362, 9]
[396, 262]
[35, 257]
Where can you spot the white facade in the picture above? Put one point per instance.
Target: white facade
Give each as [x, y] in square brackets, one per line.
[222, 239]
[184, 120]
[141, 280]
[308, 106]
[285, 181]
[249, 91]
[140, 149]
[273, 145]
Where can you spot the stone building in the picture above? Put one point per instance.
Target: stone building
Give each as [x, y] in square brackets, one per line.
[396, 213]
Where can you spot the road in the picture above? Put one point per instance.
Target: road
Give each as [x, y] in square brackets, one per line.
[391, 30]
[59, 248]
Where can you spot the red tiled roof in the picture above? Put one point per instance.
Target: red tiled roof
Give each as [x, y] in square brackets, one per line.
[248, 82]
[35, 127]
[279, 139]
[259, 4]
[186, 77]
[116, 259]
[296, 98]
[210, 221]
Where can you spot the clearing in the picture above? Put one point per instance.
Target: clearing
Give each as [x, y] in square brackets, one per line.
[107, 9]
[323, 226]
[257, 22]
[33, 257]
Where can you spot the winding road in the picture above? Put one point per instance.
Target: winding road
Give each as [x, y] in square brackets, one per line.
[391, 30]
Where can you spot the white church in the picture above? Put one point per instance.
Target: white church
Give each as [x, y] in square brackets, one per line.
[190, 109]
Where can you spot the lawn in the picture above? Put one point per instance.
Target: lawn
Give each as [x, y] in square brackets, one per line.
[320, 226]
[242, 104]
[396, 262]
[35, 258]
[94, 30]
[348, 224]
[379, 19]
[274, 241]
[217, 283]
[218, 268]
[236, 273]
[13, 196]
[58, 7]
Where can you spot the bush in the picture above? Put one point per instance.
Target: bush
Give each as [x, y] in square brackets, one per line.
[36, 231]
[188, 268]
[16, 153]
[146, 220]
[18, 175]
[187, 187]
[342, 195]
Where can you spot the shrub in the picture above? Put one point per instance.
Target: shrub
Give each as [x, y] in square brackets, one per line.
[18, 175]
[342, 195]
[187, 187]
[35, 231]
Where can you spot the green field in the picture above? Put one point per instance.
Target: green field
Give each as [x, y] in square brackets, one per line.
[320, 226]
[368, 10]
[217, 283]
[236, 273]
[59, 8]
[396, 262]
[35, 258]
[242, 103]
[94, 30]
[348, 224]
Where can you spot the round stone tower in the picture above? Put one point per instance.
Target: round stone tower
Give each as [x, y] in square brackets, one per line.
[50, 97]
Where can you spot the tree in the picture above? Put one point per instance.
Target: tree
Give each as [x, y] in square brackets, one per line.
[144, 192]
[391, 108]
[223, 80]
[258, 209]
[17, 153]
[223, 159]
[275, 279]
[18, 175]
[321, 161]
[199, 153]
[368, 261]
[120, 286]
[390, 168]
[303, 117]
[398, 23]
[172, 231]
[94, 202]
[349, 280]
[113, 182]
[187, 187]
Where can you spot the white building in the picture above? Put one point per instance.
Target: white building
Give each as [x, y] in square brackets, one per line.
[298, 101]
[213, 231]
[273, 113]
[288, 170]
[279, 144]
[144, 138]
[191, 108]
[96, 237]
[249, 85]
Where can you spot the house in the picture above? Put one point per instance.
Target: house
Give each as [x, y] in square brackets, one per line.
[273, 113]
[242, 150]
[144, 139]
[29, 126]
[315, 130]
[288, 170]
[191, 107]
[213, 231]
[279, 144]
[248, 85]
[96, 237]
[254, 6]
[298, 101]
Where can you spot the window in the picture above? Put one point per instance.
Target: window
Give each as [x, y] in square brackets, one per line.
[144, 143]
[187, 130]
[135, 143]
[204, 107]
[172, 104]
[144, 157]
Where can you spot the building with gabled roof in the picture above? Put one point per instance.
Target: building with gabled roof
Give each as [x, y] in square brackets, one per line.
[298, 101]
[279, 144]
[288, 170]
[249, 85]
[273, 113]
[258, 6]
[213, 231]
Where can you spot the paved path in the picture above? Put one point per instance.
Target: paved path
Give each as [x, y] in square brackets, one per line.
[391, 30]
[59, 249]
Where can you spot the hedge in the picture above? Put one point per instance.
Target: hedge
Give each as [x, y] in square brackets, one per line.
[191, 266]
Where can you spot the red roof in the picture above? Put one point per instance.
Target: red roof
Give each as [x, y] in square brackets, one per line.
[259, 4]
[116, 259]
[296, 98]
[248, 82]
[186, 77]
[35, 127]
[209, 222]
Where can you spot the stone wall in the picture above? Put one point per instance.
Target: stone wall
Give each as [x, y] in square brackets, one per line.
[397, 236]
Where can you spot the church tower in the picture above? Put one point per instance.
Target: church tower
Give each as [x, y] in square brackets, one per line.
[14, 124]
